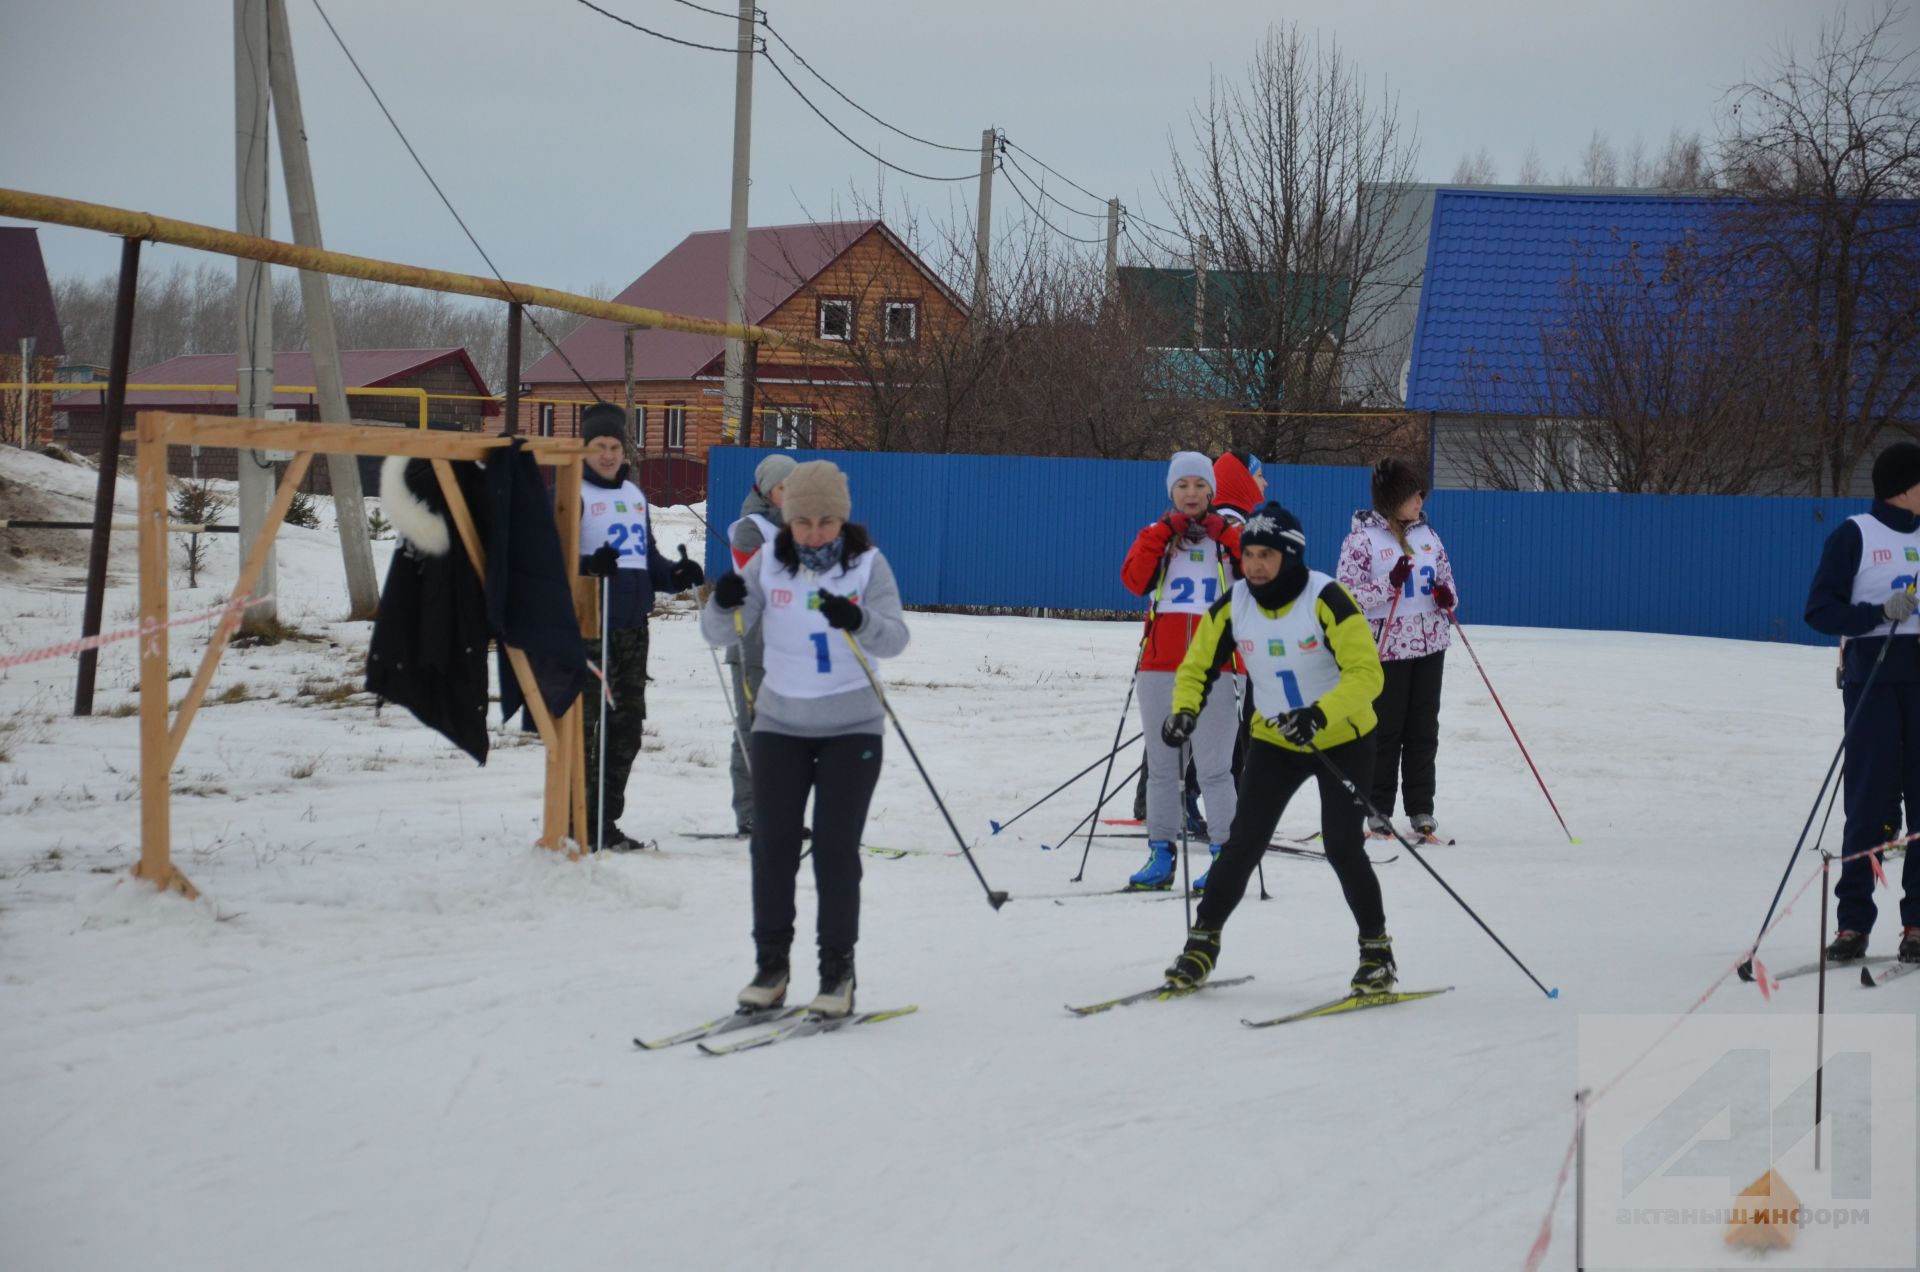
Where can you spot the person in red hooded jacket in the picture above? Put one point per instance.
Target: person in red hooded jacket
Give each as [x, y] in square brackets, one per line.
[1186, 562]
[1238, 486]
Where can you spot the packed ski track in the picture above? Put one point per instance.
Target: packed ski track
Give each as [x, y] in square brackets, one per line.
[393, 1034]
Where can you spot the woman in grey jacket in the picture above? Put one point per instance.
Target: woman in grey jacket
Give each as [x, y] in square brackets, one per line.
[760, 521]
[821, 590]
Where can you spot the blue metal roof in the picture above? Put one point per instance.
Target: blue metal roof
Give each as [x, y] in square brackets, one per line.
[1497, 269]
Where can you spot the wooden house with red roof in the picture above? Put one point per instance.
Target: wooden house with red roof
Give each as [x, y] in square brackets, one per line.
[26, 312]
[850, 283]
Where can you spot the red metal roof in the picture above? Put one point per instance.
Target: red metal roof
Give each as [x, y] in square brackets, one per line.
[26, 298]
[359, 368]
[692, 280]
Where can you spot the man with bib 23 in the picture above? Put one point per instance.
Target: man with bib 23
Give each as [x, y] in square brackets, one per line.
[616, 544]
[1314, 673]
[819, 590]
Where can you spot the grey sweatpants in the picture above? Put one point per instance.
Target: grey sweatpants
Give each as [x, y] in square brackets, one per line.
[745, 678]
[1212, 745]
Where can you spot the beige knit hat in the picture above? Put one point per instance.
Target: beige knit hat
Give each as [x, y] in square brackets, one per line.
[816, 489]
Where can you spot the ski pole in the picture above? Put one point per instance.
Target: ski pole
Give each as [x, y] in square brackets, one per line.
[995, 899]
[1468, 645]
[1240, 715]
[606, 691]
[1746, 965]
[1000, 826]
[1186, 871]
[1367, 804]
[726, 691]
[1066, 839]
[1388, 625]
[1139, 656]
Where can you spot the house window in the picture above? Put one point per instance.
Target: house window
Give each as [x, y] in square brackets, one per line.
[640, 427]
[676, 426]
[903, 321]
[836, 319]
[546, 419]
[790, 429]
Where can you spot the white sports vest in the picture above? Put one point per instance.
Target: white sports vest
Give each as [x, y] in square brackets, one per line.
[1288, 662]
[616, 519]
[768, 531]
[1889, 561]
[1194, 578]
[1416, 594]
[807, 658]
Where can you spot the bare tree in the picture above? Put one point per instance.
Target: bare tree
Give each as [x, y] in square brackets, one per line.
[1599, 163]
[1826, 152]
[1657, 374]
[1532, 170]
[1294, 179]
[1476, 169]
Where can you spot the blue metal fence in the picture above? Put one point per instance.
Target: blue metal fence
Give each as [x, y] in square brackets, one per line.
[1017, 531]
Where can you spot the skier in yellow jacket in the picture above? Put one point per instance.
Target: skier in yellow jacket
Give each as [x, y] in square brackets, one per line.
[1314, 673]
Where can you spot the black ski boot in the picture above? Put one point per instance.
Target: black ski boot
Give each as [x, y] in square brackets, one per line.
[1376, 972]
[836, 984]
[1847, 945]
[1910, 945]
[1196, 961]
[768, 988]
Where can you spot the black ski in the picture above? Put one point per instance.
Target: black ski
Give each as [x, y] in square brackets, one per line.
[1833, 965]
[1868, 979]
[742, 1019]
[805, 1027]
[1166, 990]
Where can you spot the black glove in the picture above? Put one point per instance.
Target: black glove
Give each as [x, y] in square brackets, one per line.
[1178, 728]
[602, 564]
[730, 591]
[840, 612]
[1298, 727]
[686, 573]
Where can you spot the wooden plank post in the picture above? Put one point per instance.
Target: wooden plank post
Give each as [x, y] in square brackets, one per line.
[156, 848]
[573, 742]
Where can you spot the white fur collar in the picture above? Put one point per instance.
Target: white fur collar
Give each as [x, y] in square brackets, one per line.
[425, 530]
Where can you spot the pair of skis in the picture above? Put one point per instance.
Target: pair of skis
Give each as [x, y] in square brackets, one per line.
[783, 1023]
[1335, 1007]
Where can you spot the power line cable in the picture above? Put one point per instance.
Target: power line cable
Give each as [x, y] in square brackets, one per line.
[718, 13]
[1042, 217]
[398, 131]
[1036, 184]
[1055, 171]
[965, 150]
[661, 35]
[845, 136]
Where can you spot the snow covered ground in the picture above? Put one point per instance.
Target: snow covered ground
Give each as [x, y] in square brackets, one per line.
[393, 1035]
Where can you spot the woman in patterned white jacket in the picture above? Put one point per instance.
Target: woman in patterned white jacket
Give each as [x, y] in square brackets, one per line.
[1397, 568]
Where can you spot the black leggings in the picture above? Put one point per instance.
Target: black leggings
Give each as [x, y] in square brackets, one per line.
[1409, 732]
[1271, 776]
[840, 772]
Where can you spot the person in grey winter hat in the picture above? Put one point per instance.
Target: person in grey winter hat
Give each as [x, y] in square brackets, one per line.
[760, 520]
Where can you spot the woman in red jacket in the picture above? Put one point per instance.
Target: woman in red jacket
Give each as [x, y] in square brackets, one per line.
[1185, 562]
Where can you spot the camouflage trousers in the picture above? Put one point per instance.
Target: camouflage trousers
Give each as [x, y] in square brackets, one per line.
[627, 678]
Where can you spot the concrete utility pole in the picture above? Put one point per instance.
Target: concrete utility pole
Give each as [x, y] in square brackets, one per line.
[253, 283]
[636, 445]
[343, 471]
[1113, 247]
[27, 344]
[983, 231]
[734, 401]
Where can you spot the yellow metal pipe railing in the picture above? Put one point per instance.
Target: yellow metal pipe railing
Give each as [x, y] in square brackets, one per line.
[54, 210]
[100, 386]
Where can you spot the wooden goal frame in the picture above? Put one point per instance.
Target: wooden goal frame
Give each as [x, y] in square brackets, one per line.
[163, 731]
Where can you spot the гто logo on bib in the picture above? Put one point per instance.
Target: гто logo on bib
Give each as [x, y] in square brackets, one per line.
[780, 596]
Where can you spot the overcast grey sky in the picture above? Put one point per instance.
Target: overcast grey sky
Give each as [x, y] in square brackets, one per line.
[580, 151]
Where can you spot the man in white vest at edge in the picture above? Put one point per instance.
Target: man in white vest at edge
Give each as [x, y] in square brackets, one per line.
[1864, 592]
